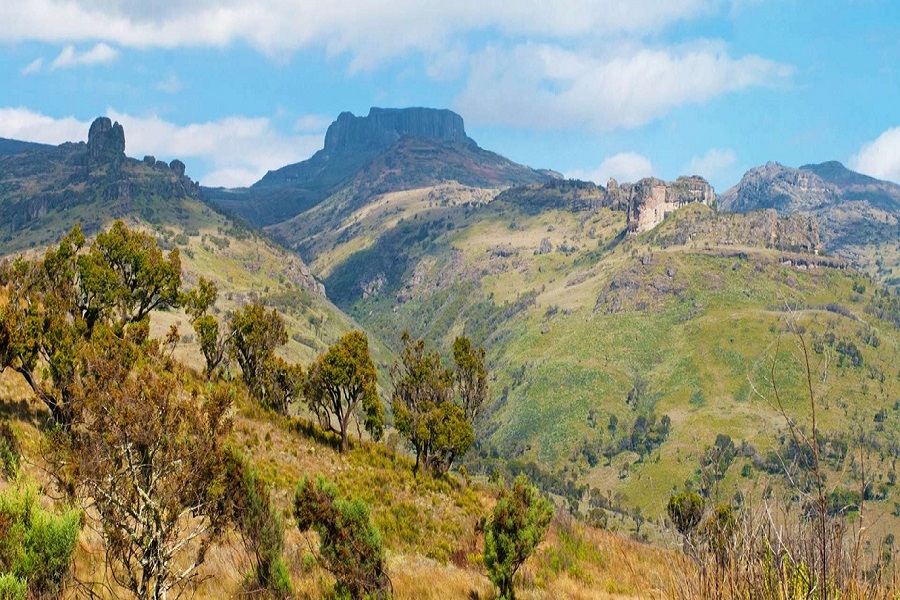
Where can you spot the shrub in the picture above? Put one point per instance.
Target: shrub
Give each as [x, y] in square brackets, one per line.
[518, 524]
[350, 546]
[35, 545]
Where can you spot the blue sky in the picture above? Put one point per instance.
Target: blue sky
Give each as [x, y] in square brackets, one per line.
[593, 89]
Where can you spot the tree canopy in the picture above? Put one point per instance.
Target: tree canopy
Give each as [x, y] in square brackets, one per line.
[341, 383]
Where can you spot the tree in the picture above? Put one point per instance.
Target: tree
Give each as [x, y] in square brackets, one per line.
[125, 272]
[425, 404]
[518, 524]
[147, 451]
[350, 546]
[342, 382]
[255, 333]
[471, 376]
[197, 303]
[685, 510]
[55, 303]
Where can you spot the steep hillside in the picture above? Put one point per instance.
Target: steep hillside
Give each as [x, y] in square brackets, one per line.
[859, 215]
[388, 150]
[618, 358]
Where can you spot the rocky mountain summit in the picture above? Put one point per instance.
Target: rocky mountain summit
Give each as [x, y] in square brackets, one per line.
[388, 150]
[858, 215]
[43, 181]
[384, 126]
[646, 202]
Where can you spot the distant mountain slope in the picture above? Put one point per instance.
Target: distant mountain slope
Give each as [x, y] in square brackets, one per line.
[858, 215]
[388, 150]
[8, 146]
[44, 193]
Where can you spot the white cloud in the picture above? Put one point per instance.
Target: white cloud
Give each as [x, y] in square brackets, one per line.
[239, 150]
[170, 85]
[716, 165]
[548, 86]
[623, 167]
[69, 57]
[369, 30]
[33, 67]
[880, 158]
[23, 124]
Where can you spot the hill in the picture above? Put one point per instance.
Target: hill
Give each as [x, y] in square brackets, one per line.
[859, 216]
[8, 146]
[43, 193]
[596, 330]
[388, 150]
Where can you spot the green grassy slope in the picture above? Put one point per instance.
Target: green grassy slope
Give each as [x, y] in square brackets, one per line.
[689, 315]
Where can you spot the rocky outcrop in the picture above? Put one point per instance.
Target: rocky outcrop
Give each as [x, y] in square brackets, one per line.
[177, 167]
[785, 189]
[384, 126]
[105, 139]
[649, 201]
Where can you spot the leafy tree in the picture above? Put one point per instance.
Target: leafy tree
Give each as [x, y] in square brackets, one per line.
[350, 546]
[213, 344]
[342, 382]
[255, 333]
[55, 303]
[148, 452]
[685, 510]
[425, 404]
[125, 272]
[518, 524]
[36, 545]
[471, 376]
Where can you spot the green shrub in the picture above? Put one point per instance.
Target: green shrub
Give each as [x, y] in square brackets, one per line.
[35, 545]
[350, 546]
[12, 588]
[519, 523]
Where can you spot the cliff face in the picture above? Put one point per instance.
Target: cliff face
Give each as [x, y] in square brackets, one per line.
[384, 126]
[388, 150]
[649, 201]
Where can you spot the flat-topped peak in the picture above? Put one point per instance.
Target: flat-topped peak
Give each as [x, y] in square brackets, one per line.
[383, 126]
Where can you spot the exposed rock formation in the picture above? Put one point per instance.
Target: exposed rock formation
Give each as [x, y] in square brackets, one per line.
[651, 200]
[105, 139]
[384, 126]
[854, 211]
[178, 167]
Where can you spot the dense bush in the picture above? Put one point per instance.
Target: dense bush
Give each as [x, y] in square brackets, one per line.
[35, 545]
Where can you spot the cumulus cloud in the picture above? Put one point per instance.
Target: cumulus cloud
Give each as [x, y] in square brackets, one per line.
[881, 157]
[238, 150]
[69, 57]
[623, 167]
[369, 30]
[548, 86]
[33, 67]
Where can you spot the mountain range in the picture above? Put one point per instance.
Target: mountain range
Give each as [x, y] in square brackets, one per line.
[629, 328]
